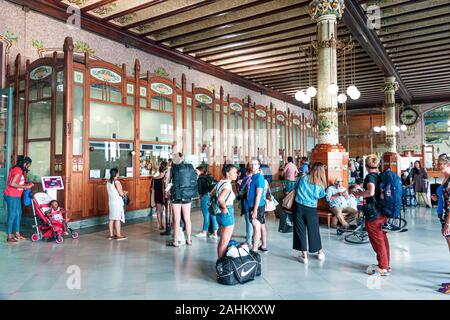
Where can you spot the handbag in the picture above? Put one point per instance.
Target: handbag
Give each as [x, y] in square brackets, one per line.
[125, 198]
[288, 201]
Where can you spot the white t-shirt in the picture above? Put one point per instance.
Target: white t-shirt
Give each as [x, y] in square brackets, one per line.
[226, 185]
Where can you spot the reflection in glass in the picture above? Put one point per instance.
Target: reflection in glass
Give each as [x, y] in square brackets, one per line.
[111, 121]
[151, 155]
[39, 152]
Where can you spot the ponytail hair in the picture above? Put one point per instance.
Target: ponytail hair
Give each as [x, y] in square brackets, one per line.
[112, 174]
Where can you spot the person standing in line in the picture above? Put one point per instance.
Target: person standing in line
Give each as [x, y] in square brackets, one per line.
[304, 168]
[204, 188]
[116, 205]
[374, 224]
[158, 186]
[419, 179]
[245, 209]
[184, 188]
[257, 203]
[12, 195]
[444, 167]
[225, 201]
[309, 189]
[290, 173]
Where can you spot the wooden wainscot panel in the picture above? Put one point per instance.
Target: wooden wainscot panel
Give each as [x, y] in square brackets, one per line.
[77, 198]
[143, 193]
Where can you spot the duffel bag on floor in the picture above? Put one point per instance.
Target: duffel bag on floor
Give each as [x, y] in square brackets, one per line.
[286, 225]
[231, 271]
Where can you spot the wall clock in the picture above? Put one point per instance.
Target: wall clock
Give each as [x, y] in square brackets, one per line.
[409, 116]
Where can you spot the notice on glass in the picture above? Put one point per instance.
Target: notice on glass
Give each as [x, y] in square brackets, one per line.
[52, 183]
[95, 174]
[129, 172]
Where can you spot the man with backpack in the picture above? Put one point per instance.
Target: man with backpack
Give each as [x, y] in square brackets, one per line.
[205, 185]
[374, 219]
[184, 188]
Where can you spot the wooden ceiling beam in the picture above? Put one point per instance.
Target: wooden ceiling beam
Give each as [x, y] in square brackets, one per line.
[205, 17]
[355, 19]
[96, 5]
[168, 14]
[133, 9]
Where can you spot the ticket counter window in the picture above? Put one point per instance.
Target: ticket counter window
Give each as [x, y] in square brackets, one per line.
[156, 126]
[151, 156]
[106, 155]
[111, 121]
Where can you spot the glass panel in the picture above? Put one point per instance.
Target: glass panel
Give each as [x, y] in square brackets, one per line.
[106, 155]
[180, 128]
[59, 113]
[39, 152]
[78, 97]
[225, 133]
[198, 129]
[130, 100]
[101, 92]
[437, 130]
[39, 119]
[40, 90]
[217, 137]
[162, 103]
[20, 124]
[111, 122]
[143, 103]
[151, 155]
[156, 126]
[189, 130]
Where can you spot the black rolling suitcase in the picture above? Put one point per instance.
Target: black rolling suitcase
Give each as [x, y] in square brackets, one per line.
[433, 190]
[286, 223]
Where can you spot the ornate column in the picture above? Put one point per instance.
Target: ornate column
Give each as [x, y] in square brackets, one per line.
[390, 157]
[328, 150]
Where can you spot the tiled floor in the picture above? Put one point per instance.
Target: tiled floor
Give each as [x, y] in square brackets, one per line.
[143, 267]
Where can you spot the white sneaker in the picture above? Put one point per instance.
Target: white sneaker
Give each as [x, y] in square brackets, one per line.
[200, 235]
[303, 258]
[321, 256]
[214, 237]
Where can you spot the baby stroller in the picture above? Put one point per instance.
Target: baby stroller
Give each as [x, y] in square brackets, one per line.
[45, 228]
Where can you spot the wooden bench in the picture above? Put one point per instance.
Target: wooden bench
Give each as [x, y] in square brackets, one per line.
[326, 215]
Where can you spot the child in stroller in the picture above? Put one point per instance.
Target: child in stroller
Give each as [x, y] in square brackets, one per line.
[50, 222]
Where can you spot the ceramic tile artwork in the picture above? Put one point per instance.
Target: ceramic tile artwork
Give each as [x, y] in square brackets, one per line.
[154, 271]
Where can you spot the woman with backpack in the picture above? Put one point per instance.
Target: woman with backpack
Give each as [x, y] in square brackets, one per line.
[204, 183]
[225, 200]
[374, 218]
[308, 190]
[15, 186]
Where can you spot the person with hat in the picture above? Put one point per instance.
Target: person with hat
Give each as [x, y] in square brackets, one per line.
[15, 186]
[337, 198]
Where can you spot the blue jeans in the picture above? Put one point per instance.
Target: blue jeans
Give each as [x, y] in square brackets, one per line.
[226, 219]
[290, 186]
[248, 223]
[207, 216]
[14, 209]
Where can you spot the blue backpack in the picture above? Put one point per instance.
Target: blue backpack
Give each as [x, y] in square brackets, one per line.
[391, 194]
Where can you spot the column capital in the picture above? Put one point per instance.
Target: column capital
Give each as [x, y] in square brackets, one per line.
[319, 8]
[390, 84]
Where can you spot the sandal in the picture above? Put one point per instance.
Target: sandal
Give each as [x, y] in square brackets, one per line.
[445, 290]
[172, 244]
[19, 237]
[121, 237]
[12, 240]
[189, 243]
[111, 237]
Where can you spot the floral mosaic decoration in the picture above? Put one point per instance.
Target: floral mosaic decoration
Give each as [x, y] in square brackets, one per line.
[9, 38]
[126, 19]
[160, 71]
[82, 47]
[105, 9]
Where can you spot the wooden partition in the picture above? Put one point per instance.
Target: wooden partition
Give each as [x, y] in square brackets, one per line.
[101, 115]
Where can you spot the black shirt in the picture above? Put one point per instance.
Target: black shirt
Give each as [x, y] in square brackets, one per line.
[203, 186]
[372, 178]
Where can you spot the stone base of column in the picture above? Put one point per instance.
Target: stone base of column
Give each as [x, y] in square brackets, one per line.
[335, 158]
[391, 160]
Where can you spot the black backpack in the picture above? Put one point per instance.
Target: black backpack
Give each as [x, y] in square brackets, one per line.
[184, 179]
[210, 182]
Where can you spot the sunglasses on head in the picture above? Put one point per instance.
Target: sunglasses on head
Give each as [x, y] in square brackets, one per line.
[444, 156]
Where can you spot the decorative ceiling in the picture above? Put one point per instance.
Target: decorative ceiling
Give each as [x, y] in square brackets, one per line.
[259, 40]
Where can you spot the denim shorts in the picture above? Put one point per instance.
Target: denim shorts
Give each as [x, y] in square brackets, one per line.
[226, 219]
